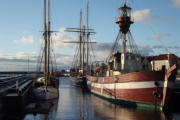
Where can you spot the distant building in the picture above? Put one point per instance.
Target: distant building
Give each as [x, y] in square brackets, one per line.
[164, 60]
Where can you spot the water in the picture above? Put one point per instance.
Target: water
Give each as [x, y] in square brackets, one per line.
[74, 104]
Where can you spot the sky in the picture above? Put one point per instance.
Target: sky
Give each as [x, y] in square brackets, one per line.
[155, 30]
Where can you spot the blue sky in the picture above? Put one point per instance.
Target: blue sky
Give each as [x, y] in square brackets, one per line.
[22, 20]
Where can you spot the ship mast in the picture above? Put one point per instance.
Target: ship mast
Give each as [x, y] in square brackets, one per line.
[83, 48]
[84, 34]
[80, 41]
[124, 22]
[87, 59]
[45, 46]
[48, 42]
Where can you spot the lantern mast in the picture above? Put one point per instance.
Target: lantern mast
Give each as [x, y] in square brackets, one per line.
[124, 22]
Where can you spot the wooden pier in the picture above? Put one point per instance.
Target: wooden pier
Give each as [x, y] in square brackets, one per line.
[14, 92]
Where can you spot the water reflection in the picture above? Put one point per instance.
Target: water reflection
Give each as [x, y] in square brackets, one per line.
[74, 104]
[50, 116]
[106, 110]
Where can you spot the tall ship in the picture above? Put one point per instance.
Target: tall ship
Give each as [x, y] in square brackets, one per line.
[80, 65]
[131, 79]
[78, 69]
[46, 87]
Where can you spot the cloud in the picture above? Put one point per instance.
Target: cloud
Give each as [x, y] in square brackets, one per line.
[166, 47]
[23, 57]
[104, 46]
[145, 49]
[25, 40]
[20, 56]
[169, 48]
[158, 36]
[102, 50]
[176, 3]
[64, 59]
[19, 61]
[61, 36]
[16, 66]
[142, 16]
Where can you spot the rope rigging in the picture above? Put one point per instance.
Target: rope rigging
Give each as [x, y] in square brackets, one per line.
[132, 45]
[115, 45]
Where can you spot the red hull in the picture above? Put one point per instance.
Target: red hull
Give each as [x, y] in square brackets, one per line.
[138, 95]
[139, 87]
[130, 77]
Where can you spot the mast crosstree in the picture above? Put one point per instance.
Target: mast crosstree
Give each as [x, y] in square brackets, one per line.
[83, 34]
[83, 42]
[47, 42]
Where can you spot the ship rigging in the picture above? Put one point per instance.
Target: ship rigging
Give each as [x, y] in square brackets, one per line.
[127, 73]
[47, 84]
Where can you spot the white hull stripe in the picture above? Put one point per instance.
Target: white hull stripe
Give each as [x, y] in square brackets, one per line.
[133, 85]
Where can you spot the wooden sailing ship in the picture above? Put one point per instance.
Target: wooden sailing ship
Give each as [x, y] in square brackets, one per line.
[128, 78]
[81, 59]
[47, 87]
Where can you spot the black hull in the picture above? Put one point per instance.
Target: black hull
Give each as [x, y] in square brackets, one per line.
[50, 92]
[13, 106]
[79, 81]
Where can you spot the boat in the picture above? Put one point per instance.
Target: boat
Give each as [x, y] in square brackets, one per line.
[80, 66]
[128, 78]
[47, 86]
[77, 72]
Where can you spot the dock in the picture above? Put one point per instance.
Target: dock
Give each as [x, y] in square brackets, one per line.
[14, 93]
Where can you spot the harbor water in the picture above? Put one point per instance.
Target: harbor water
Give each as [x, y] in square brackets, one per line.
[76, 104]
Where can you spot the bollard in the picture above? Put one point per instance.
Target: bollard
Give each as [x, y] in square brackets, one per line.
[17, 85]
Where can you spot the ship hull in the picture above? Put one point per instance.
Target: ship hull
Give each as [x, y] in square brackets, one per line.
[139, 89]
[79, 81]
[49, 92]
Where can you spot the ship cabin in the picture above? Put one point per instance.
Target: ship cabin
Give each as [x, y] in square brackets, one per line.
[136, 63]
[133, 63]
